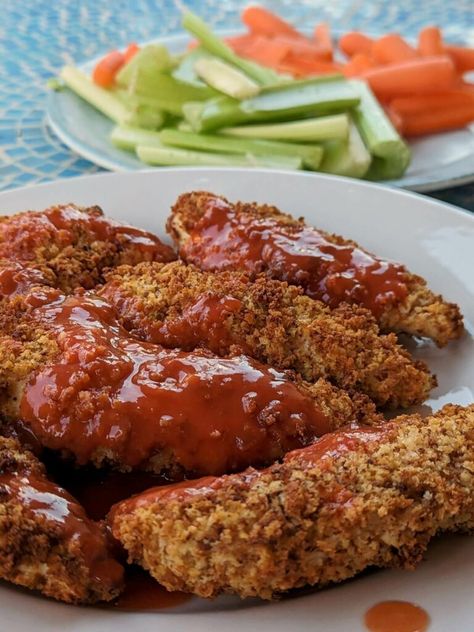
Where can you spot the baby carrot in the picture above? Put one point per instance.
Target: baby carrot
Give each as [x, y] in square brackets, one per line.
[261, 21]
[462, 57]
[304, 67]
[265, 51]
[438, 120]
[430, 41]
[106, 69]
[415, 104]
[239, 42]
[395, 118]
[322, 35]
[359, 63]
[392, 48]
[131, 51]
[417, 76]
[354, 42]
[303, 47]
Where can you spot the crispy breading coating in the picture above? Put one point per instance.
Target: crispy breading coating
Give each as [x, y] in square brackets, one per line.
[355, 499]
[74, 244]
[421, 312]
[181, 306]
[68, 361]
[47, 542]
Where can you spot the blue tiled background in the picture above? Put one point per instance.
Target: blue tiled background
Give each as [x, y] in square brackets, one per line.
[38, 36]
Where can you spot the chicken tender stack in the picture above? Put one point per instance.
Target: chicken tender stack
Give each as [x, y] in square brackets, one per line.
[216, 235]
[181, 306]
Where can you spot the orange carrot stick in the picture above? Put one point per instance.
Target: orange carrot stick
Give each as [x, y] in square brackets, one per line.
[417, 76]
[131, 51]
[239, 42]
[430, 41]
[414, 104]
[322, 35]
[304, 67]
[438, 120]
[358, 64]
[302, 47]
[106, 69]
[261, 21]
[355, 42]
[462, 57]
[395, 118]
[391, 49]
[265, 51]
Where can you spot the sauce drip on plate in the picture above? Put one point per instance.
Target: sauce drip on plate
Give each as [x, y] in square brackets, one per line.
[396, 616]
[142, 592]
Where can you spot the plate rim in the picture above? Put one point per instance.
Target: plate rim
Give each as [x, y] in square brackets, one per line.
[90, 618]
[448, 206]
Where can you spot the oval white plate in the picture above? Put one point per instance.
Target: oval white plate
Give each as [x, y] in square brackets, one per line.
[438, 160]
[434, 240]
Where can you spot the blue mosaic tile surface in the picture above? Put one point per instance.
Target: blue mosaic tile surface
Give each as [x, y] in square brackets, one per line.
[38, 36]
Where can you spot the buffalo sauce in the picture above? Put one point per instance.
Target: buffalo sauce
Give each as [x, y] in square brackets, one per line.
[328, 447]
[301, 255]
[17, 279]
[142, 592]
[110, 395]
[200, 323]
[48, 502]
[396, 616]
[62, 226]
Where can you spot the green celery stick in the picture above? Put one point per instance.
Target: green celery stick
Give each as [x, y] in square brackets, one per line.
[158, 102]
[166, 87]
[128, 137]
[226, 79]
[197, 27]
[103, 100]
[391, 155]
[310, 154]
[184, 126]
[147, 117]
[168, 156]
[313, 96]
[346, 157]
[308, 130]
[185, 70]
[149, 61]
[285, 103]
[215, 113]
[192, 112]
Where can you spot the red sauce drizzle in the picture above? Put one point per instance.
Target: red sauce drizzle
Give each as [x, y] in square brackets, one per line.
[16, 279]
[202, 323]
[300, 255]
[142, 592]
[61, 226]
[396, 616]
[109, 392]
[327, 447]
[49, 502]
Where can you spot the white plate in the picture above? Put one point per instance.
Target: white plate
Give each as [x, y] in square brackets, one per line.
[434, 240]
[438, 161]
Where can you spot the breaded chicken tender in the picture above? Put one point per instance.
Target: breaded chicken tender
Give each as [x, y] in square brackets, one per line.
[82, 385]
[47, 542]
[71, 245]
[216, 235]
[354, 499]
[181, 306]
